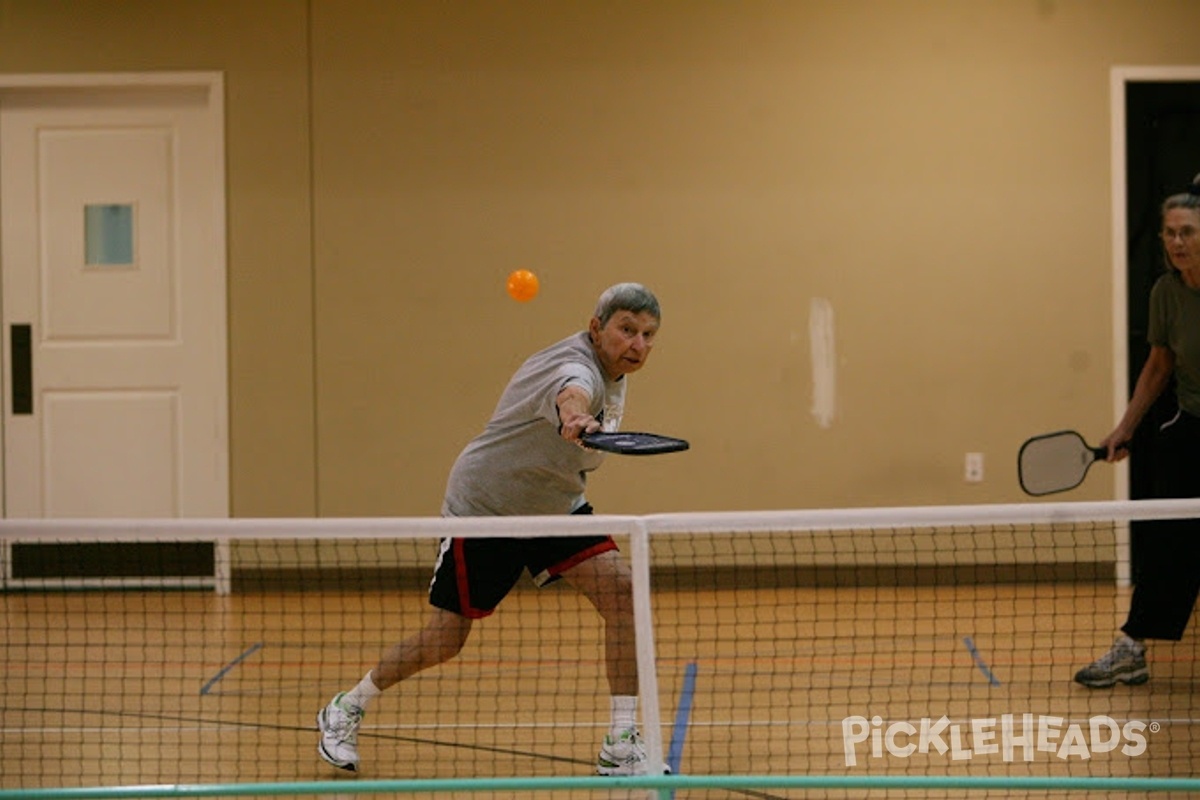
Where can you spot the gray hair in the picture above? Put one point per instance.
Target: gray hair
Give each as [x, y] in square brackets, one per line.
[1189, 199]
[632, 297]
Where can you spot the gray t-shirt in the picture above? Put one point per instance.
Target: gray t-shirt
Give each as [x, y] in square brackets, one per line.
[1175, 324]
[520, 464]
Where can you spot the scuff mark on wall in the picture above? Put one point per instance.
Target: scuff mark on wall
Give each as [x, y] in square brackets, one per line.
[824, 361]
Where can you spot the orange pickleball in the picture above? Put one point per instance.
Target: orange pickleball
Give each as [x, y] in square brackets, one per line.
[522, 285]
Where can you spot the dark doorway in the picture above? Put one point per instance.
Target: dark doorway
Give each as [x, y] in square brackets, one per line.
[1162, 155]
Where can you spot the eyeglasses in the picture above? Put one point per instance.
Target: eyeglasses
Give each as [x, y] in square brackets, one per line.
[1183, 234]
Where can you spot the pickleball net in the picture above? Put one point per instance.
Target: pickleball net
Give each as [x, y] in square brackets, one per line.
[788, 649]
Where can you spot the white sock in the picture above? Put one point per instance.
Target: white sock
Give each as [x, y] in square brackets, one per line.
[364, 693]
[624, 713]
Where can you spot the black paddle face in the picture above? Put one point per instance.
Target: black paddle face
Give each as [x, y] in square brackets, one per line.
[1055, 462]
[632, 443]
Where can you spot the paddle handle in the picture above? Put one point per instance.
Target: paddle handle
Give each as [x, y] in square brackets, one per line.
[1101, 453]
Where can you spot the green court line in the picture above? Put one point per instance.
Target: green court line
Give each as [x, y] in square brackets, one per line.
[664, 782]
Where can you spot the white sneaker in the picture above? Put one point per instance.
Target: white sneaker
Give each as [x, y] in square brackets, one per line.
[624, 755]
[338, 724]
[1125, 662]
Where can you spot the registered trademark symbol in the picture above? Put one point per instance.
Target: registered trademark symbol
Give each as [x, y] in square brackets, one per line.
[1155, 727]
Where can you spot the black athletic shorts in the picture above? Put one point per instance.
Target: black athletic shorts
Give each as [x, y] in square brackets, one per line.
[472, 576]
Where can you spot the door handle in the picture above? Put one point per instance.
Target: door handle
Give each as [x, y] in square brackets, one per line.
[21, 343]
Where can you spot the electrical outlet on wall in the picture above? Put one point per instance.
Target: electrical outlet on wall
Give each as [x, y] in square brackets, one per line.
[974, 468]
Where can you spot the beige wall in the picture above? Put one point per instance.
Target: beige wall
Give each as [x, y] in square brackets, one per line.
[938, 171]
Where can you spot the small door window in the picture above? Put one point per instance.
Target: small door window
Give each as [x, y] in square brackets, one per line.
[108, 234]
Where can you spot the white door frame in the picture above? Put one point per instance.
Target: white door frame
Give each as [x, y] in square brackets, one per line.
[1120, 77]
[212, 86]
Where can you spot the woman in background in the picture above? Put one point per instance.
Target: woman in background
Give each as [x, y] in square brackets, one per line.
[1166, 592]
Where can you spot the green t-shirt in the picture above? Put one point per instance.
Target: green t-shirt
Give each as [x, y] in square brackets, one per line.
[1175, 324]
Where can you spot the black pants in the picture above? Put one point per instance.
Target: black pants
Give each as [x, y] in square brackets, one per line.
[1170, 579]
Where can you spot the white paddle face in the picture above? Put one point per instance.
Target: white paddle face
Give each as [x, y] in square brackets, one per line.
[1053, 463]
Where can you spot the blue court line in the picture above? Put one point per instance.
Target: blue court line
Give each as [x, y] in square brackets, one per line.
[225, 669]
[682, 715]
[987, 673]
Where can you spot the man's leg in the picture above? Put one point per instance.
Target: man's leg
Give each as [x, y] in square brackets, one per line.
[606, 581]
[440, 640]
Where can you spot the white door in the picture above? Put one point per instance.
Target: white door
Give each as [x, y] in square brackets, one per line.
[112, 251]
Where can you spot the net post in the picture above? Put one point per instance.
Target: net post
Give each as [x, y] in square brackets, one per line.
[647, 663]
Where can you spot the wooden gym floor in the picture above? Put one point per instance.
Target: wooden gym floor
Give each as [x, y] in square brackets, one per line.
[116, 688]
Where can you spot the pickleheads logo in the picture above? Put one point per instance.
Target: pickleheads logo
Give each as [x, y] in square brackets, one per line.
[1009, 737]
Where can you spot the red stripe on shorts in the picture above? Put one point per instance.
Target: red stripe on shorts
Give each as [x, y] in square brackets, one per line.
[582, 556]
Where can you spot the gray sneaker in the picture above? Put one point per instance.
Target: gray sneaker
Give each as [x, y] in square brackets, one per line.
[624, 755]
[338, 723]
[1124, 663]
